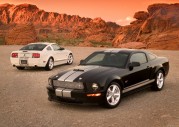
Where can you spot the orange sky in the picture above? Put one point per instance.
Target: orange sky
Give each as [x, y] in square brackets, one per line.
[120, 11]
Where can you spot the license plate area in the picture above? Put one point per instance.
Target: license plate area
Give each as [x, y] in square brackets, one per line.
[23, 62]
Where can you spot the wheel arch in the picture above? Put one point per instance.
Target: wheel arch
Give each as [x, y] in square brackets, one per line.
[115, 79]
[50, 57]
[160, 68]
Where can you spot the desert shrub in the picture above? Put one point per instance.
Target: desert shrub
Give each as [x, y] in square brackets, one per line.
[101, 44]
[2, 41]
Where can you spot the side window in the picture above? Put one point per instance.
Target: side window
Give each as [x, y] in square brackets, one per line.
[49, 48]
[151, 56]
[55, 47]
[138, 57]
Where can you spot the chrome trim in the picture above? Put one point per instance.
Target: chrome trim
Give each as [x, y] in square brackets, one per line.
[59, 91]
[67, 93]
[137, 85]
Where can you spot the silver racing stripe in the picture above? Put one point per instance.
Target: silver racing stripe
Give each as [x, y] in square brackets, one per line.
[66, 75]
[72, 75]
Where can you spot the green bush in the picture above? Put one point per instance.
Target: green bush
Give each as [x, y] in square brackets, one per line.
[2, 41]
[101, 44]
[69, 42]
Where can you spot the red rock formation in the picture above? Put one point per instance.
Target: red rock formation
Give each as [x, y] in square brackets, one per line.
[56, 25]
[21, 34]
[158, 29]
[141, 15]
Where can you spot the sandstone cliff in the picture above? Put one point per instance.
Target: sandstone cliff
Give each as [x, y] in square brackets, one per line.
[56, 27]
[157, 29]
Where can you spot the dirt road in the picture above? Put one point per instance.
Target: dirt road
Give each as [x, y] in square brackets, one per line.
[23, 99]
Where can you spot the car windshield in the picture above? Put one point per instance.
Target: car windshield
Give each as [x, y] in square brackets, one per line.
[38, 47]
[107, 59]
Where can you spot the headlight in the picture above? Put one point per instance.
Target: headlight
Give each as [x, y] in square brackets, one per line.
[50, 82]
[95, 86]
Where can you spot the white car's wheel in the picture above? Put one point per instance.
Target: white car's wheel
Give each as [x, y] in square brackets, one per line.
[159, 81]
[50, 64]
[20, 68]
[113, 95]
[70, 59]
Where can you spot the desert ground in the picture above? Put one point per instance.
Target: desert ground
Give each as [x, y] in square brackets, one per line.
[23, 99]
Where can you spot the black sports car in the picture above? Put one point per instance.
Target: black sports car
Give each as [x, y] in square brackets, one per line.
[105, 75]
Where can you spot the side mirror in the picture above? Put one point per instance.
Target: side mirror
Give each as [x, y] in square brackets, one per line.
[133, 64]
[61, 48]
[81, 62]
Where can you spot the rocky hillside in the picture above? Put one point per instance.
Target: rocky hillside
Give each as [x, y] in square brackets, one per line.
[50, 26]
[157, 29]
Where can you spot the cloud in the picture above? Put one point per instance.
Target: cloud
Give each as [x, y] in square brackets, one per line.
[125, 21]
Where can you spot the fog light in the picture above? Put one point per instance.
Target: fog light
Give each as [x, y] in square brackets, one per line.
[95, 86]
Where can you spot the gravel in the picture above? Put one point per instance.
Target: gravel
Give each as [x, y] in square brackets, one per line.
[23, 99]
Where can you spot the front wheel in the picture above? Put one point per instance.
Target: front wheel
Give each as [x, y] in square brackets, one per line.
[159, 81]
[70, 59]
[113, 95]
[50, 64]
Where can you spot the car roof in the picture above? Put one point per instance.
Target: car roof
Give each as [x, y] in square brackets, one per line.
[116, 50]
[47, 43]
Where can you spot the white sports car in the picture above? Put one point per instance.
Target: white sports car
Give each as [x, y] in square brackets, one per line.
[41, 54]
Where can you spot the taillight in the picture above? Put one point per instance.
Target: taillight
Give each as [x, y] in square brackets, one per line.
[14, 55]
[35, 55]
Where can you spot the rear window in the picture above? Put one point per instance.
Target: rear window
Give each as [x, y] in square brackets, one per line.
[38, 47]
[151, 56]
[138, 57]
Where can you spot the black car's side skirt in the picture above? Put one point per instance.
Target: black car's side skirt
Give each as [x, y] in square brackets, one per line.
[137, 85]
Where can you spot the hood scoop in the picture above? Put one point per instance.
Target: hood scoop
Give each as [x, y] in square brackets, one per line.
[78, 70]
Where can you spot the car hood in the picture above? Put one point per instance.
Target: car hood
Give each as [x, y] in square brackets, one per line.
[88, 73]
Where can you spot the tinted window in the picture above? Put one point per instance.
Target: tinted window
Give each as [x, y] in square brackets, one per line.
[55, 47]
[38, 47]
[138, 57]
[151, 56]
[96, 58]
[107, 59]
[49, 48]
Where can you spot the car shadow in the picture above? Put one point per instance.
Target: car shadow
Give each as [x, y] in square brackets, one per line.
[38, 69]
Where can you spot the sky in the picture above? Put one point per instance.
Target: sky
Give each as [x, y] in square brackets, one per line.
[119, 11]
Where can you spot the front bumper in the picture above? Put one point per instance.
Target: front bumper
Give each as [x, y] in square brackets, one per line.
[72, 95]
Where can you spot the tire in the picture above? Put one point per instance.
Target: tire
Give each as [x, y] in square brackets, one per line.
[113, 95]
[159, 81]
[50, 64]
[70, 59]
[20, 68]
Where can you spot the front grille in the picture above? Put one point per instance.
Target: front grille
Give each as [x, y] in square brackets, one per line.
[68, 85]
